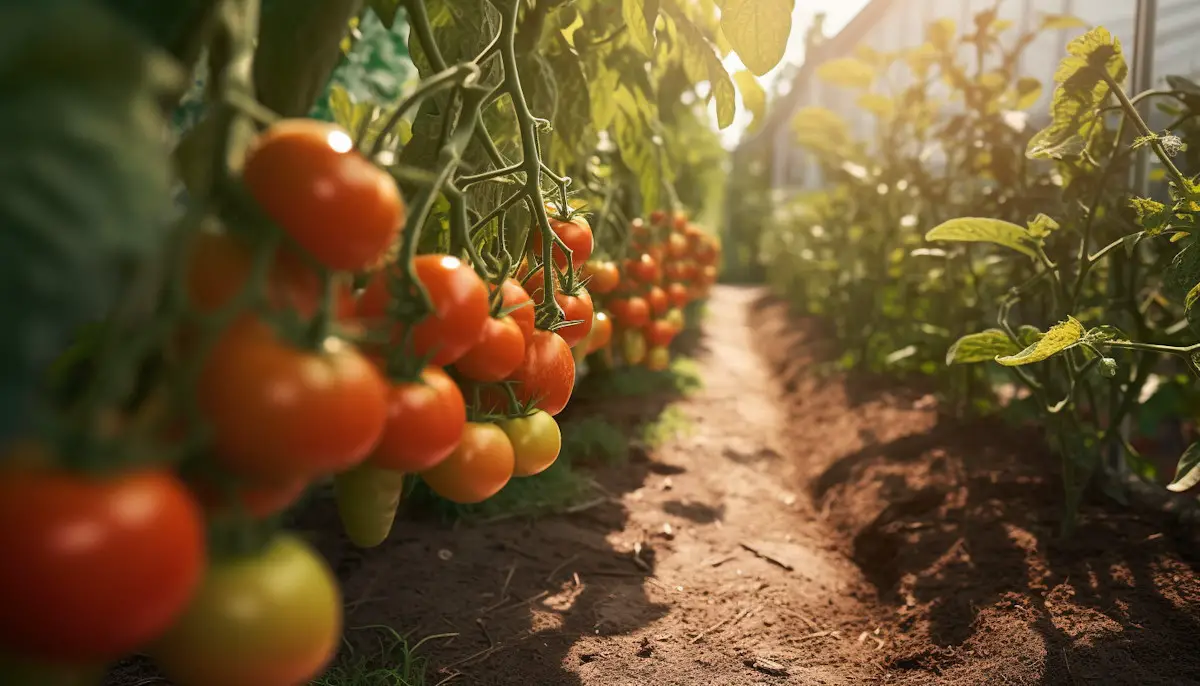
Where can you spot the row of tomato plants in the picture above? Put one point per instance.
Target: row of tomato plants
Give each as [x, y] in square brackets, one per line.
[1042, 285]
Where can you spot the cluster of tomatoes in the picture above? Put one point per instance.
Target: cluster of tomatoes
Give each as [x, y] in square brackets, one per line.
[673, 263]
[304, 378]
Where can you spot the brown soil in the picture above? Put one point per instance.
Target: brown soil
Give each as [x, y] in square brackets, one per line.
[807, 529]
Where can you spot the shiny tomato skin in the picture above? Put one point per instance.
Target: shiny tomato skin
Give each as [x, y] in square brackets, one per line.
[602, 332]
[677, 245]
[536, 442]
[660, 333]
[460, 307]
[481, 465]
[658, 300]
[603, 277]
[219, 267]
[95, 566]
[425, 421]
[576, 308]
[259, 500]
[273, 618]
[575, 233]
[644, 268]
[678, 294]
[278, 412]
[497, 354]
[547, 374]
[513, 295]
[338, 206]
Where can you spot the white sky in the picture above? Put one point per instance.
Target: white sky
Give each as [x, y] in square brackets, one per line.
[838, 13]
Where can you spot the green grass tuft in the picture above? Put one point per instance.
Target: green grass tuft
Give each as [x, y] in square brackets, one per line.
[395, 663]
[669, 425]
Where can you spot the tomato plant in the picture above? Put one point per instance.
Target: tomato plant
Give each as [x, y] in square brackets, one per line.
[425, 421]
[546, 376]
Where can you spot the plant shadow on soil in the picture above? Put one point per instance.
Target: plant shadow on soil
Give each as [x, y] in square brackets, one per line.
[513, 593]
[957, 526]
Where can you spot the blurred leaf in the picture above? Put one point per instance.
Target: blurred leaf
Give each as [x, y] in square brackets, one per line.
[753, 96]
[984, 346]
[1186, 473]
[758, 30]
[849, 72]
[639, 17]
[1062, 22]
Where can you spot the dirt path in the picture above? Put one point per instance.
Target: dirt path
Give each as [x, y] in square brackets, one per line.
[800, 528]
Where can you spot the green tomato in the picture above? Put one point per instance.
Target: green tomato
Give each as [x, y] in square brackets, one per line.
[367, 499]
[269, 619]
[536, 441]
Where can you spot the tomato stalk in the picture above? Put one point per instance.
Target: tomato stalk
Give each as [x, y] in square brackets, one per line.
[456, 76]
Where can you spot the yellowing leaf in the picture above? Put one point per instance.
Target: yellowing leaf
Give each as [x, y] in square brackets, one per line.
[753, 95]
[980, 347]
[723, 91]
[941, 32]
[1057, 22]
[1062, 336]
[849, 72]
[879, 105]
[758, 30]
[634, 14]
[1029, 91]
[984, 230]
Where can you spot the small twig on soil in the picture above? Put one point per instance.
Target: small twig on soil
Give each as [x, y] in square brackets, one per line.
[474, 656]
[587, 505]
[767, 666]
[723, 622]
[508, 579]
[766, 557]
[448, 679]
[483, 627]
[600, 487]
[559, 568]
[818, 634]
[718, 561]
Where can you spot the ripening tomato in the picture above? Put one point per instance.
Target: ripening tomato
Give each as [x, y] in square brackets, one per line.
[94, 566]
[257, 499]
[691, 271]
[633, 346]
[425, 420]
[603, 277]
[657, 217]
[709, 275]
[498, 352]
[677, 245]
[338, 206]
[658, 301]
[674, 317]
[673, 271]
[679, 221]
[278, 412]
[460, 307]
[515, 298]
[678, 294]
[273, 618]
[660, 333]
[631, 313]
[536, 441]
[575, 233]
[481, 465]
[644, 268]
[220, 265]
[658, 359]
[576, 308]
[547, 375]
[602, 331]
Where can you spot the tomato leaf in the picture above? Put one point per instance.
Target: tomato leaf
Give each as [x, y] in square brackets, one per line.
[636, 14]
[984, 230]
[84, 182]
[1060, 22]
[980, 347]
[1061, 337]
[1187, 472]
[754, 98]
[758, 30]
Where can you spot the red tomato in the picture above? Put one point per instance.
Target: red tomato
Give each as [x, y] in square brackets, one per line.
[658, 359]
[498, 352]
[680, 221]
[644, 268]
[219, 267]
[547, 375]
[602, 331]
[576, 308]
[477, 470]
[657, 217]
[678, 294]
[338, 206]
[460, 307]
[273, 618]
[576, 234]
[658, 301]
[691, 271]
[631, 313]
[674, 271]
[278, 412]
[425, 421]
[602, 277]
[677, 245]
[513, 295]
[94, 567]
[660, 333]
[257, 499]
[536, 442]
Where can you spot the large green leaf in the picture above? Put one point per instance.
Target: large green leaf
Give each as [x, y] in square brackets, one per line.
[573, 114]
[758, 30]
[984, 230]
[1062, 336]
[84, 182]
[984, 346]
